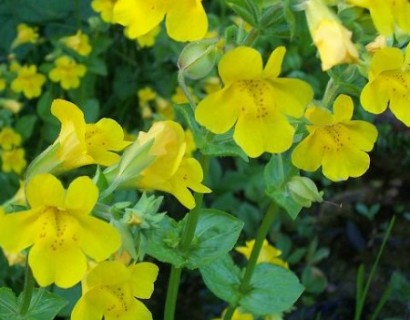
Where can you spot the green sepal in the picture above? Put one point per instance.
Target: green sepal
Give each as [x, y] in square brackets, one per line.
[278, 172]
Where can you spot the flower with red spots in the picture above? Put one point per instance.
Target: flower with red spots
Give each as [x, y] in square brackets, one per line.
[59, 230]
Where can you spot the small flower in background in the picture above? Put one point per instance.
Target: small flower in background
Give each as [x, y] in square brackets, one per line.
[25, 34]
[9, 138]
[190, 143]
[268, 254]
[115, 297]
[12, 105]
[146, 95]
[331, 38]
[28, 81]
[335, 142]
[2, 83]
[13, 160]
[170, 171]
[105, 8]
[78, 42]
[60, 230]
[378, 43]
[67, 72]
[255, 101]
[389, 84]
[164, 109]
[387, 15]
[78, 143]
[212, 84]
[148, 40]
[179, 96]
[185, 20]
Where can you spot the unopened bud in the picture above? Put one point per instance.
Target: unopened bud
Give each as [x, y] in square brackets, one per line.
[304, 191]
[198, 58]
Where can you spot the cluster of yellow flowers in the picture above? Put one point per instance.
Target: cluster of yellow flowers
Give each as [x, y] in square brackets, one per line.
[12, 154]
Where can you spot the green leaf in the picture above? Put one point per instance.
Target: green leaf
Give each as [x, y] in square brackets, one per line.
[222, 278]
[223, 146]
[272, 290]
[8, 304]
[97, 66]
[314, 280]
[248, 10]
[44, 305]
[162, 243]
[44, 108]
[216, 234]
[25, 125]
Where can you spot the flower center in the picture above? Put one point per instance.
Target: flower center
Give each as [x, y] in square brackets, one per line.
[335, 137]
[119, 303]
[255, 94]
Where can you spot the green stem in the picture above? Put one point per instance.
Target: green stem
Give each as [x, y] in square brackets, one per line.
[172, 293]
[187, 237]
[330, 92]
[250, 268]
[27, 291]
[251, 37]
[184, 87]
[362, 300]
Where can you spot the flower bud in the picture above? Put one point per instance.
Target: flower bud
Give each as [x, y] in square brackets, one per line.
[304, 191]
[198, 58]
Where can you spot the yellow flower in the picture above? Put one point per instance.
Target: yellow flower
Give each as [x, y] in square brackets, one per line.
[186, 20]
[256, 101]
[11, 105]
[67, 72]
[179, 96]
[105, 8]
[237, 315]
[110, 291]
[331, 38]
[146, 94]
[268, 254]
[171, 172]
[79, 42]
[25, 34]
[28, 81]
[60, 230]
[212, 84]
[2, 83]
[336, 142]
[148, 40]
[389, 84]
[164, 108]
[13, 160]
[9, 138]
[387, 15]
[78, 143]
[15, 259]
[379, 42]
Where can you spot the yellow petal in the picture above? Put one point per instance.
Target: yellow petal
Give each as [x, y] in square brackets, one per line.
[374, 97]
[83, 309]
[385, 59]
[271, 134]
[136, 310]
[274, 64]
[186, 20]
[288, 102]
[362, 134]
[82, 195]
[349, 162]
[101, 275]
[219, 111]
[343, 108]
[399, 105]
[319, 116]
[97, 238]
[308, 154]
[241, 63]
[143, 276]
[19, 230]
[70, 116]
[139, 16]
[382, 17]
[64, 266]
[45, 190]
[113, 134]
